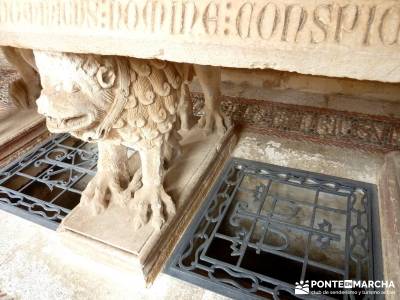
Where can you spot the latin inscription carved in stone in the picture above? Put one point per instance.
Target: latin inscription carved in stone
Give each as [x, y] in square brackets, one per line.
[362, 23]
[360, 131]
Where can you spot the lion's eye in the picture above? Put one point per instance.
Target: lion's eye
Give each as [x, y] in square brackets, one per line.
[75, 88]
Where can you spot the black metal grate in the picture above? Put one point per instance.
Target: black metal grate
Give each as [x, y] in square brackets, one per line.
[263, 229]
[47, 182]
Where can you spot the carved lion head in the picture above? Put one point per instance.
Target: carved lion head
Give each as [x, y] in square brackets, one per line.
[77, 91]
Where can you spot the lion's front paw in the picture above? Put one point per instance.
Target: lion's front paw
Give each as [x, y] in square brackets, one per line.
[214, 121]
[152, 204]
[100, 191]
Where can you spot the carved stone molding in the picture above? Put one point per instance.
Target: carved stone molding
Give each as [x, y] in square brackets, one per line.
[340, 128]
[7, 75]
[336, 38]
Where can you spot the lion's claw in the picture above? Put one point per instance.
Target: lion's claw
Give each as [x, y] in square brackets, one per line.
[99, 192]
[152, 205]
[214, 121]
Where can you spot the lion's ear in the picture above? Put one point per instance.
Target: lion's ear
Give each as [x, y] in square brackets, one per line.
[105, 77]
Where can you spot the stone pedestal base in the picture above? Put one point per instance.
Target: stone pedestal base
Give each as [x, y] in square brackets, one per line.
[111, 236]
[19, 131]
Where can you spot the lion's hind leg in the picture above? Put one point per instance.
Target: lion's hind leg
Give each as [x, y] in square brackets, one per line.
[213, 119]
[151, 203]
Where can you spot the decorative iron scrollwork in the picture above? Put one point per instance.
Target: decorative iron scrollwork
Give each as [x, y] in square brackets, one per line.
[265, 227]
[57, 164]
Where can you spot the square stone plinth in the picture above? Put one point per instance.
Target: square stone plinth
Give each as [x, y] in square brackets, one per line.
[112, 236]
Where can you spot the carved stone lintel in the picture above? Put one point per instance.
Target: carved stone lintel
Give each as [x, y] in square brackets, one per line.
[338, 38]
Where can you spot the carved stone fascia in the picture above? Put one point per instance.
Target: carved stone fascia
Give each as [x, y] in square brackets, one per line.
[357, 39]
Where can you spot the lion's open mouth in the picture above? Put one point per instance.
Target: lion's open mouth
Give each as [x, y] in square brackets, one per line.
[58, 125]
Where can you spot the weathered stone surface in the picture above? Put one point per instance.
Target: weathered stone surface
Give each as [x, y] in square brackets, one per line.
[358, 39]
[7, 75]
[317, 124]
[112, 236]
[254, 83]
[389, 196]
[19, 129]
[25, 90]
[35, 266]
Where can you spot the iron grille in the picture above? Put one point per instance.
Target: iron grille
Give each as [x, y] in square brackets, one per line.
[45, 184]
[264, 229]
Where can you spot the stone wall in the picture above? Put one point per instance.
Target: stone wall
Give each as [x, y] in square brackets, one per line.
[315, 84]
[370, 97]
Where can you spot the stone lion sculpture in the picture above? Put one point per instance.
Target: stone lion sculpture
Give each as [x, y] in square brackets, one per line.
[122, 103]
[25, 90]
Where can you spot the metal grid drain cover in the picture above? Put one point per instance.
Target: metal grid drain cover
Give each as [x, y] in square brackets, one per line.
[46, 184]
[263, 229]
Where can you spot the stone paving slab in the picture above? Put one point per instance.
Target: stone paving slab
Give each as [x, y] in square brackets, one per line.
[35, 265]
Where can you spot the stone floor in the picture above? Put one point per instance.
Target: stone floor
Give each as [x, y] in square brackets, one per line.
[35, 265]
